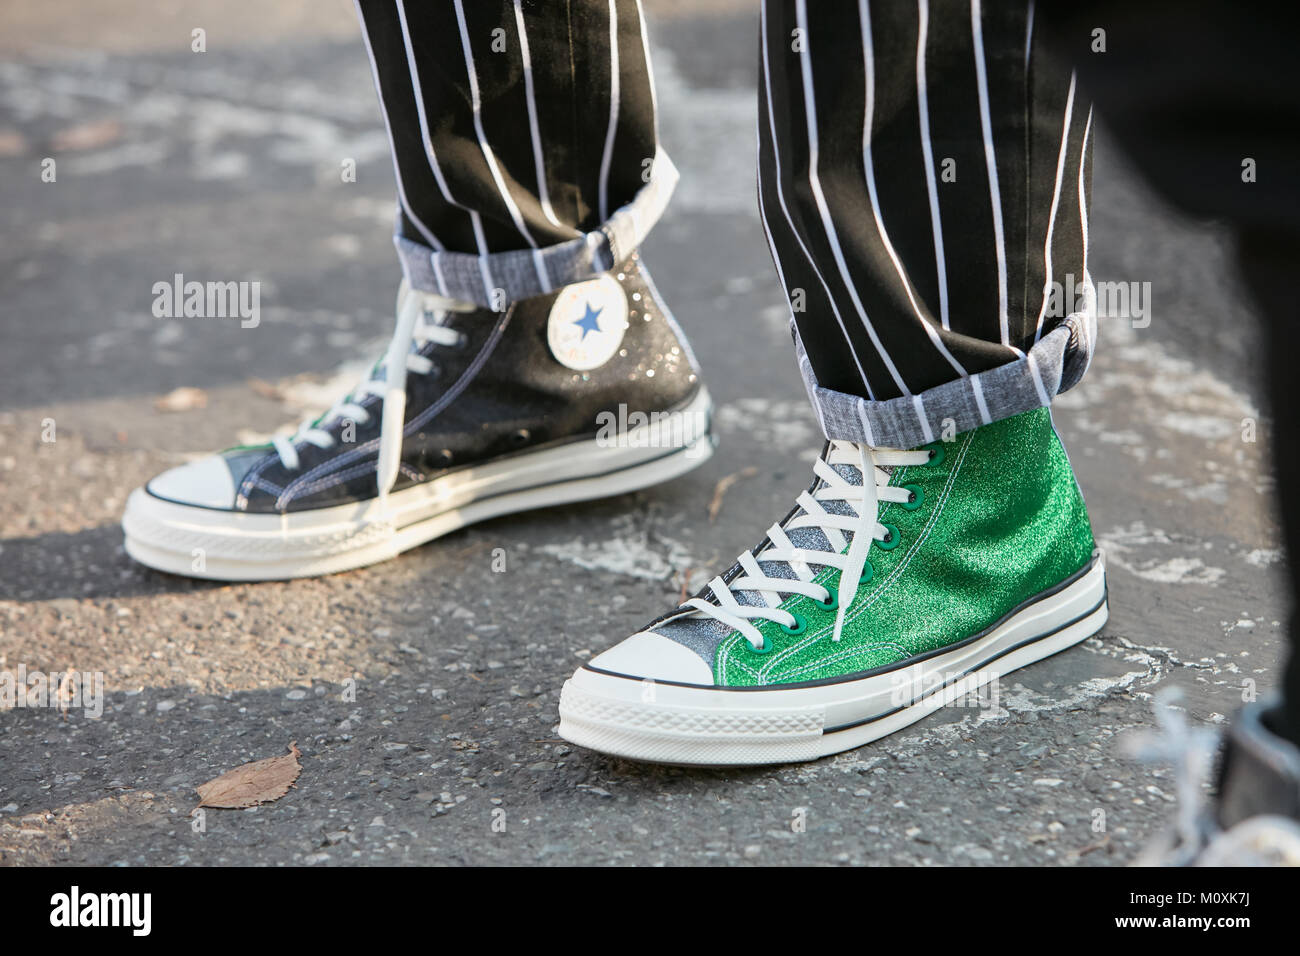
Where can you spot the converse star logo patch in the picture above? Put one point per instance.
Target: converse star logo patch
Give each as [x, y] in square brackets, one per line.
[587, 323]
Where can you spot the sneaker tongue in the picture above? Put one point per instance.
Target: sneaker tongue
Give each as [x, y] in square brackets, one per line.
[692, 630]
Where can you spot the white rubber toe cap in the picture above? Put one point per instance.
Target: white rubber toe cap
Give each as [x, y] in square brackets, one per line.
[649, 656]
[206, 482]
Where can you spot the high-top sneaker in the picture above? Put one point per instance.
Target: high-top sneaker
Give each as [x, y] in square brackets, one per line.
[589, 391]
[901, 581]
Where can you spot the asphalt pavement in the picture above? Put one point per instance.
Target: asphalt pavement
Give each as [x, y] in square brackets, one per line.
[422, 693]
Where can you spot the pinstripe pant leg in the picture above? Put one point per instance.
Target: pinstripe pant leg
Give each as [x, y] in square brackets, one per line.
[924, 181]
[523, 137]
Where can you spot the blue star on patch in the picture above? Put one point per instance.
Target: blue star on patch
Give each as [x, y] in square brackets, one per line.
[588, 321]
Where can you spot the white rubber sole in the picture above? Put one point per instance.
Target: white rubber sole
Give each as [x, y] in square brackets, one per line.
[237, 546]
[690, 724]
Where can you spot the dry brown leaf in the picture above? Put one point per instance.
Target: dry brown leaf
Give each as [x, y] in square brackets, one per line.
[12, 143]
[684, 575]
[265, 389]
[1100, 844]
[258, 782]
[182, 399]
[720, 489]
[67, 691]
[85, 136]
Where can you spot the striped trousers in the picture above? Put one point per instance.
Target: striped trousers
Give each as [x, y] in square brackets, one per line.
[923, 179]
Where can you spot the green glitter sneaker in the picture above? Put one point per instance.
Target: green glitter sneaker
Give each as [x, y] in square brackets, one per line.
[871, 605]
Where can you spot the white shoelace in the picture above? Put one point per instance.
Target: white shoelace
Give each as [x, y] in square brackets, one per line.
[387, 381]
[848, 555]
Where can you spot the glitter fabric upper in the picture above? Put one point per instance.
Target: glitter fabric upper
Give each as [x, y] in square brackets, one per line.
[1001, 520]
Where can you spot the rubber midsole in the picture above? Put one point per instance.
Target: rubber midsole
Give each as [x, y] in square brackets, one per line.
[847, 703]
[252, 537]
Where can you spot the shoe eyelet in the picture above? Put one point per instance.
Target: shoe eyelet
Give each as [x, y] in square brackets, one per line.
[800, 625]
[936, 454]
[868, 572]
[767, 646]
[832, 603]
[890, 541]
[521, 436]
[918, 496]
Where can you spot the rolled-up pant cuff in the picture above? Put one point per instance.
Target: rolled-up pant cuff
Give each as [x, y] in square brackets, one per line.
[496, 280]
[1054, 364]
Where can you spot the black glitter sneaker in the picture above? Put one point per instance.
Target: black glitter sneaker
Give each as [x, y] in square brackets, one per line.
[588, 391]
